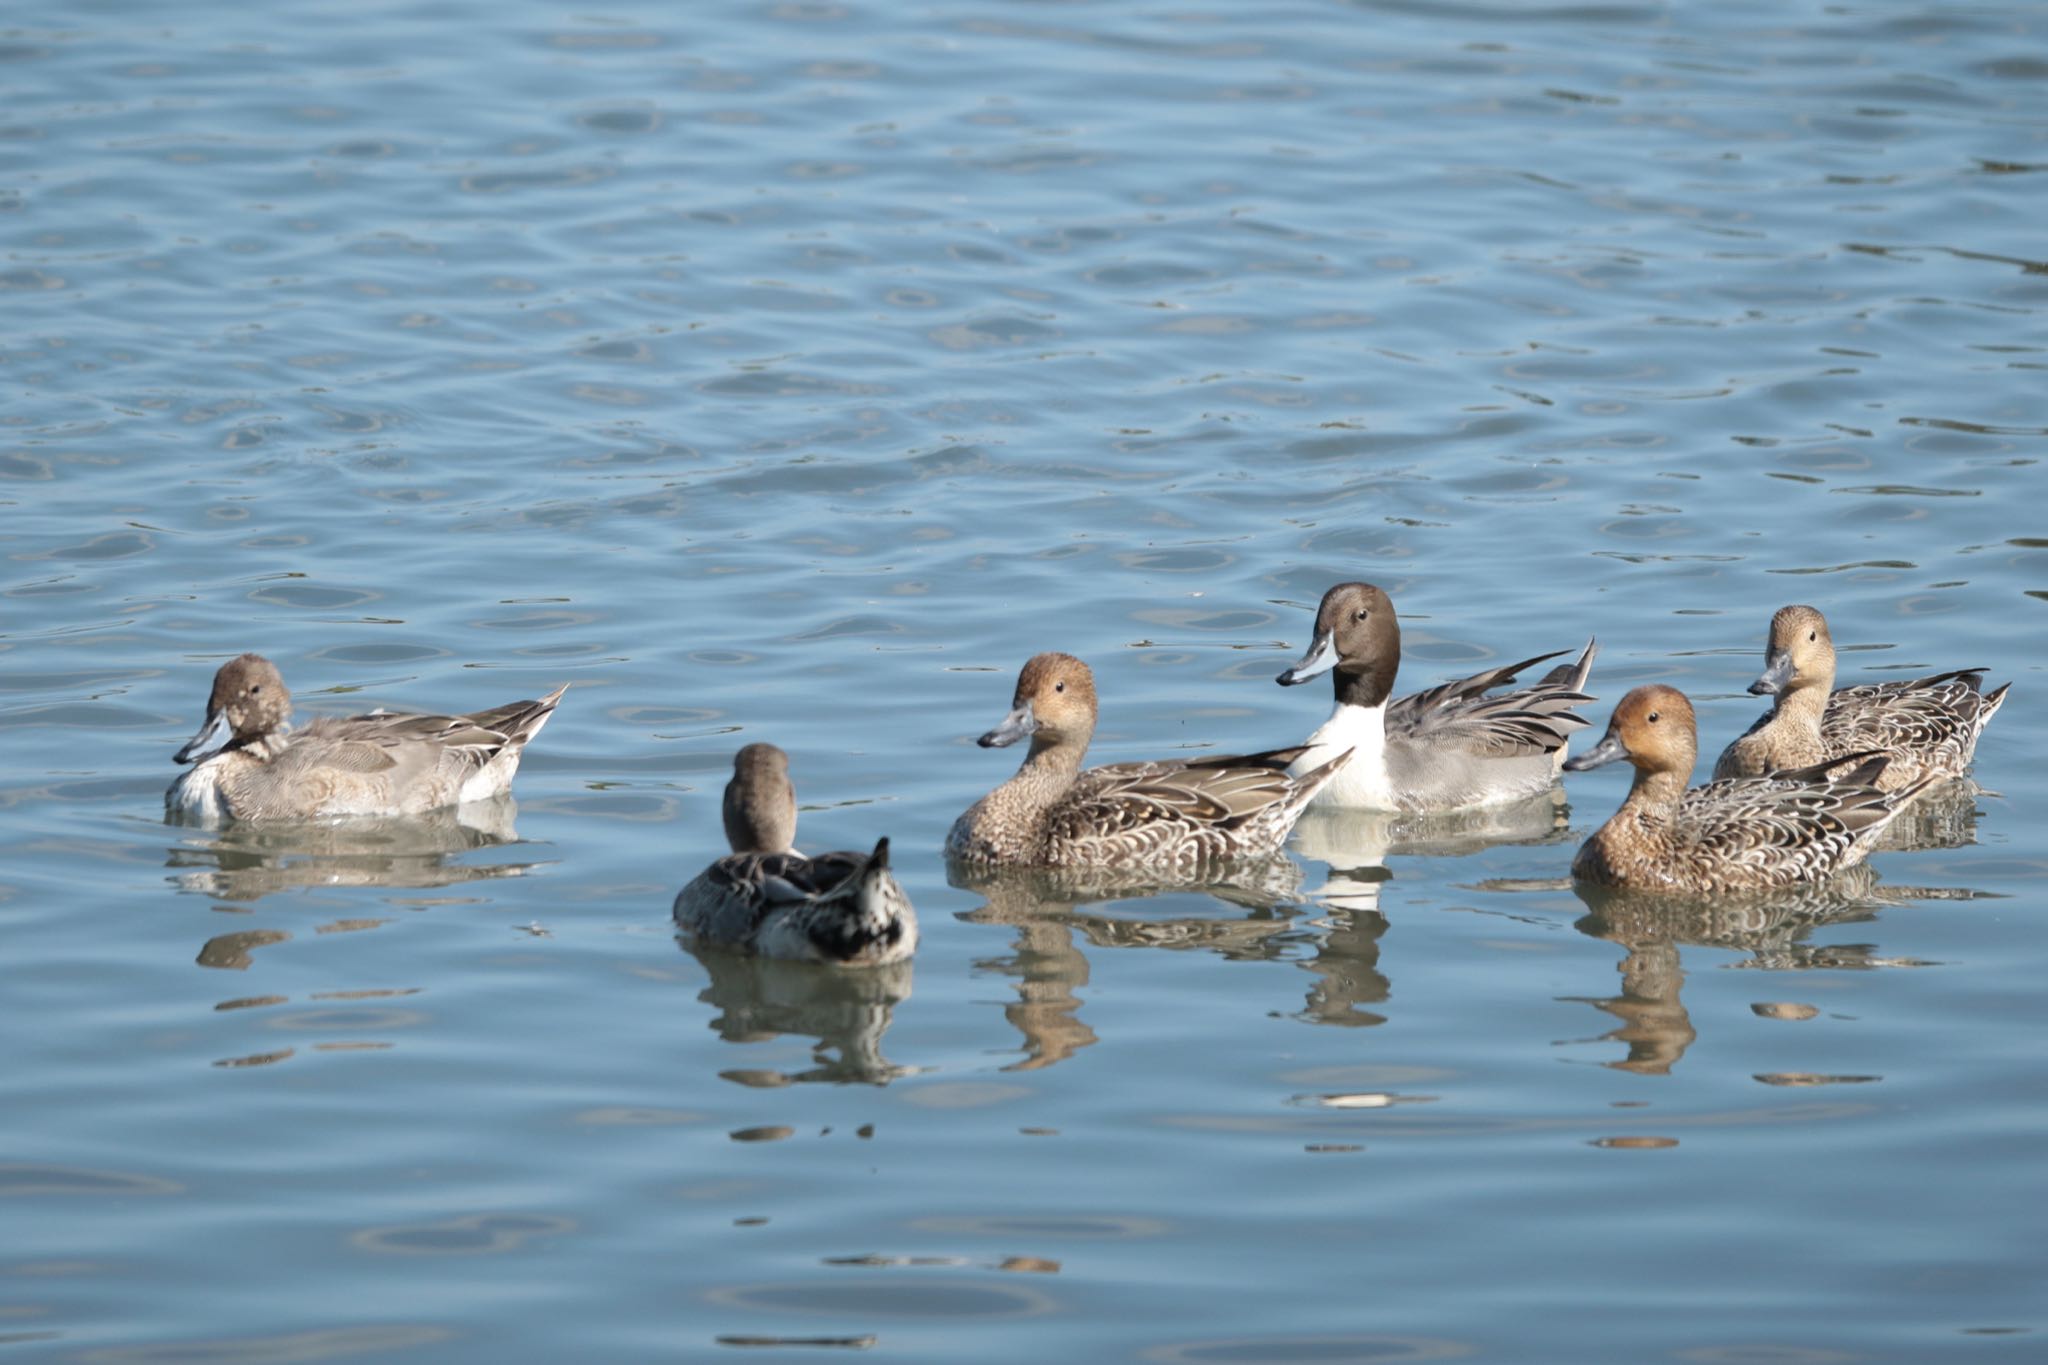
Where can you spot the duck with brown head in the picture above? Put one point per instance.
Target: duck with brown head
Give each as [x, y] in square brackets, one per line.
[250, 764]
[842, 909]
[1450, 747]
[1175, 816]
[1929, 726]
[1737, 834]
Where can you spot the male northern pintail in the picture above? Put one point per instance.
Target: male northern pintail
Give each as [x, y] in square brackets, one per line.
[250, 764]
[1170, 815]
[1736, 834]
[764, 897]
[1929, 726]
[1446, 748]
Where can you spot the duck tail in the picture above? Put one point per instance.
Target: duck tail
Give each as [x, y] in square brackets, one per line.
[518, 721]
[1986, 709]
[1572, 677]
[883, 927]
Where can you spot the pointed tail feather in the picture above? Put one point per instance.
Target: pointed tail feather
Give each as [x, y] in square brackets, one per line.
[1572, 676]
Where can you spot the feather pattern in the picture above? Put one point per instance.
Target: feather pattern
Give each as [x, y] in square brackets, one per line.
[1787, 828]
[1456, 745]
[844, 908]
[1168, 815]
[1929, 726]
[250, 764]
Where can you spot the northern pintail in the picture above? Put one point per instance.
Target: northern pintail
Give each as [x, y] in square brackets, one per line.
[1736, 834]
[1446, 748]
[250, 764]
[1929, 726]
[1169, 815]
[764, 897]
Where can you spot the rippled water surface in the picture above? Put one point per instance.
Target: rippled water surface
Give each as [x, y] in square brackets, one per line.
[794, 371]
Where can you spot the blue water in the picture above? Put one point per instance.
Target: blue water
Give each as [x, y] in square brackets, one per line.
[795, 371]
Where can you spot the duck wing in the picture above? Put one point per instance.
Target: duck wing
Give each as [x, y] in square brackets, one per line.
[1812, 820]
[1941, 713]
[1537, 719]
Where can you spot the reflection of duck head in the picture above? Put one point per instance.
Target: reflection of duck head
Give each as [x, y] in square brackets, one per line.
[761, 998]
[1652, 925]
[1114, 909]
[245, 862]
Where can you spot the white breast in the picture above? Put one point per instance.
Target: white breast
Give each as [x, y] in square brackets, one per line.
[1362, 781]
[196, 794]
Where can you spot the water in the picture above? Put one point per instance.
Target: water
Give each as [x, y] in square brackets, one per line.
[794, 371]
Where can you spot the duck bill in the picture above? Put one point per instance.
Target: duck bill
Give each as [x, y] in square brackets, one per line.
[214, 736]
[1778, 671]
[1018, 724]
[1320, 659]
[1608, 750]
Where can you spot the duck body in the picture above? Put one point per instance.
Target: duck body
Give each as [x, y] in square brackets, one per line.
[249, 763]
[1928, 726]
[1789, 828]
[1174, 816]
[1451, 747]
[842, 909]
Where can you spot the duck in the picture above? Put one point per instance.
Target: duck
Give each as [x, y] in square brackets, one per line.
[1450, 747]
[843, 909]
[1172, 816]
[1789, 828]
[1929, 726]
[248, 763]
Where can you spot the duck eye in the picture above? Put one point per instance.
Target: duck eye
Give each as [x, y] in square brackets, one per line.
[254, 688]
[1653, 718]
[1362, 614]
[1812, 635]
[1059, 687]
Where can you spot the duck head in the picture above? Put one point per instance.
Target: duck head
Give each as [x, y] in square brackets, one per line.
[1357, 638]
[1054, 704]
[249, 700]
[1799, 653]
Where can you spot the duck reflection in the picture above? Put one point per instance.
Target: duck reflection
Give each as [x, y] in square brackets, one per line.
[1355, 844]
[759, 999]
[1772, 929]
[246, 862]
[1943, 816]
[1242, 909]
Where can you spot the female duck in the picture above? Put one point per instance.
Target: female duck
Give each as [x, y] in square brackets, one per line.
[1738, 834]
[764, 897]
[249, 764]
[1447, 748]
[1929, 726]
[1171, 815]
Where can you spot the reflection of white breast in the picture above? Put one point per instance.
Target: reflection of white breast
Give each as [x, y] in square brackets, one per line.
[1362, 781]
[196, 794]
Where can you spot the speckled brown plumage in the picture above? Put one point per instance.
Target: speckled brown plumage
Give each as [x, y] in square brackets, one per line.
[1170, 815]
[1734, 834]
[1928, 726]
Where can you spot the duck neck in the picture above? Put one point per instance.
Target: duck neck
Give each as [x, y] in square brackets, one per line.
[1368, 686]
[1653, 797]
[1051, 764]
[262, 747]
[1804, 703]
